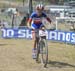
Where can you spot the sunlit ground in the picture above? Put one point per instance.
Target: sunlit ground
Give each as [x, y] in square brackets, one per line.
[15, 55]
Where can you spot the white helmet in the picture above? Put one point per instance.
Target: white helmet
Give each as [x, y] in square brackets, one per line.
[40, 7]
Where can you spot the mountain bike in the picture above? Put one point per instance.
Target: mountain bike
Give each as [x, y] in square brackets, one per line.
[42, 48]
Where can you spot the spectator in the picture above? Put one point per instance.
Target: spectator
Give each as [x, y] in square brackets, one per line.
[24, 20]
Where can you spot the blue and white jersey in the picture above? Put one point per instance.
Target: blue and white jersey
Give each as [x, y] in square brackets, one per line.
[37, 20]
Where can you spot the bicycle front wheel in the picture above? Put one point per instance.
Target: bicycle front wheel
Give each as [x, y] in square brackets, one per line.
[44, 52]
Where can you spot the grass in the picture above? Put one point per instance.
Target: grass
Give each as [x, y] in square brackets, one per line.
[15, 55]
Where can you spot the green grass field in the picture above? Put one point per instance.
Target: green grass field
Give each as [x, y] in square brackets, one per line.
[15, 55]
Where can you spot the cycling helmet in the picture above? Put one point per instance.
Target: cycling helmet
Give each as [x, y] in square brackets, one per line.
[40, 7]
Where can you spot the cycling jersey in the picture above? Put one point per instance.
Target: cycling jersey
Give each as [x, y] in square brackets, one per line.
[37, 20]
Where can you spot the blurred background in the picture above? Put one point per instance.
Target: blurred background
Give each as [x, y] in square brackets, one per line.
[15, 13]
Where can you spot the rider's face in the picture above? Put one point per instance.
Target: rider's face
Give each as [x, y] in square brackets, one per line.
[39, 12]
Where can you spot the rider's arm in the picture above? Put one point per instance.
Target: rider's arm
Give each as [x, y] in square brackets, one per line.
[47, 18]
[30, 20]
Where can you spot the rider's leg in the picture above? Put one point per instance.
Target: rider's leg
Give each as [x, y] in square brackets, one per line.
[34, 45]
[35, 40]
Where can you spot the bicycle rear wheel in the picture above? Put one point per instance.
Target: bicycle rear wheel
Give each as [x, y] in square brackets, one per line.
[44, 52]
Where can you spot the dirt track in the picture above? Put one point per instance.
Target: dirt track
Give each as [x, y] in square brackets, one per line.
[15, 55]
